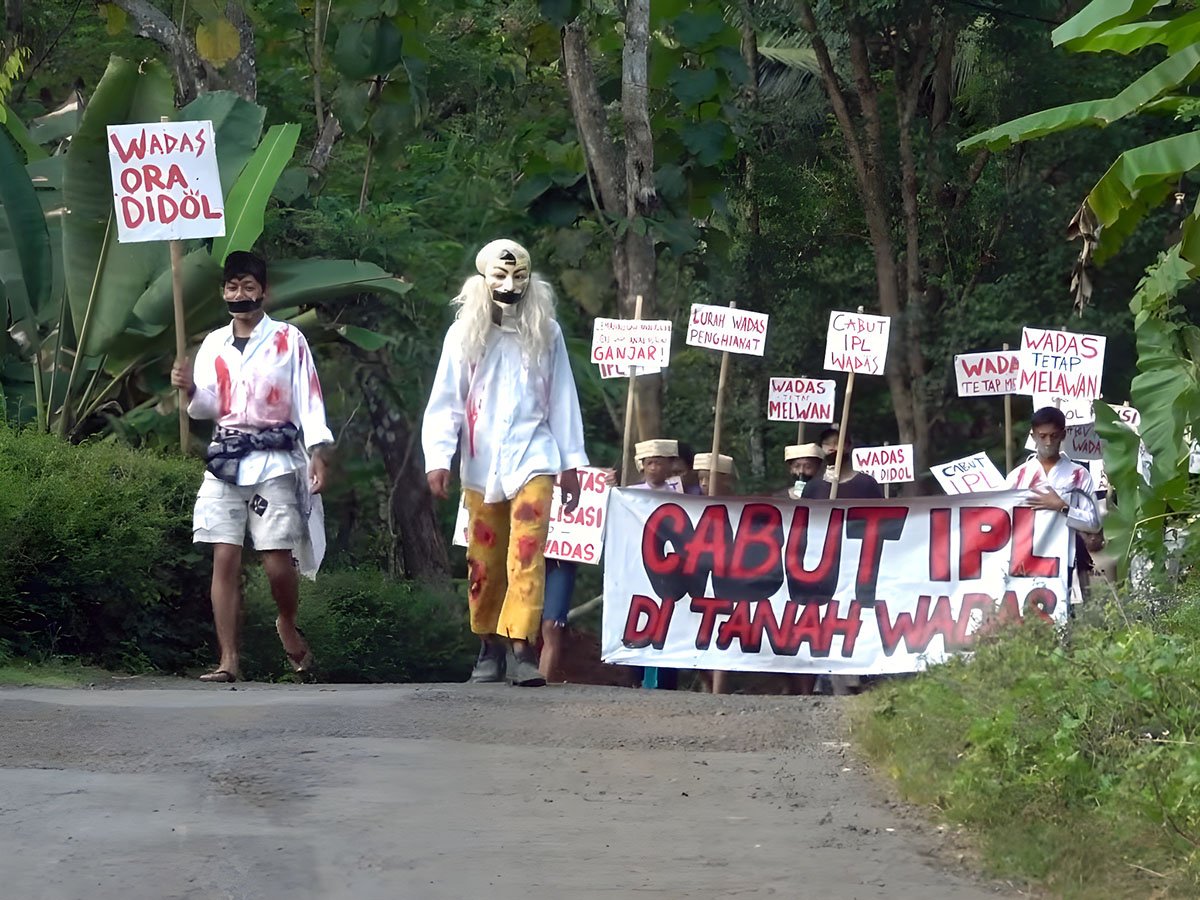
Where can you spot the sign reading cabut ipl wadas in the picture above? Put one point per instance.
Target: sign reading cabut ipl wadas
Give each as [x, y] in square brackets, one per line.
[857, 343]
[850, 587]
[165, 182]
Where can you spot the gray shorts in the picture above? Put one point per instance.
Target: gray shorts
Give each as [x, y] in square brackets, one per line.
[270, 509]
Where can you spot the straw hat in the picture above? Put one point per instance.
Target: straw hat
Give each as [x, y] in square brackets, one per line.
[658, 447]
[725, 466]
[802, 451]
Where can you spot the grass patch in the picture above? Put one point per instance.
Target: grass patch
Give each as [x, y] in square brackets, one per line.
[1076, 766]
[54, 673]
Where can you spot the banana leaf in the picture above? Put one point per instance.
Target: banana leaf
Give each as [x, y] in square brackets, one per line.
[1175, 71]
[125, 94]
[25, 258]
[1098, 17]
[246, 204]
[1174, 34]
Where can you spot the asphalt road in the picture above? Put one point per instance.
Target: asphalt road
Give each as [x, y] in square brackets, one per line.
[170, 790]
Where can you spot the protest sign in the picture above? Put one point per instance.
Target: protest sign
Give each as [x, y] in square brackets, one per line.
[800, 400]
[969, 475]
[578, 536]
[1061, 363]
[857, 343]
[165, 182]
[846, 587]
[1076, 412]
[989, 374]
[618, 344]
[727, 328]
[887, 465]
[1080, 444]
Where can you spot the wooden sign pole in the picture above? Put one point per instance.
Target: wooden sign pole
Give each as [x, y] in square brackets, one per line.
[887, 485]
[842, 429]
[1008, 447]
[627, 463]
[716, 443]
[180, 331]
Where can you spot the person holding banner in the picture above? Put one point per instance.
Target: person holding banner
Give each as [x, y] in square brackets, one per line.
[1061, 486]
[852, 484]
[256, 377]
[504, 399]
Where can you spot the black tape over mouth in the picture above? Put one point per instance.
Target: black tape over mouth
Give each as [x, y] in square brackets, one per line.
[244, 306]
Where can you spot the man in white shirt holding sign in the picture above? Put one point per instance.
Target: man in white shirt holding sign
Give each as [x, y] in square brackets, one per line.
[504, 398]
[1058, 484]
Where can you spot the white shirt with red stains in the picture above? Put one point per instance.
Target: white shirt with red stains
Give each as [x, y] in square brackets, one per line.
[1072, 482]
[511, 421]
[270, 383]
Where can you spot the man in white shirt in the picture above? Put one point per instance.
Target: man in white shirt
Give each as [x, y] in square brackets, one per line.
[1057, 484]
[504, 399]
[256, 377]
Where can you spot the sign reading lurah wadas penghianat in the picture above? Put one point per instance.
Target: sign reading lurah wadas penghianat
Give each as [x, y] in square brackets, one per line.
[851, 587]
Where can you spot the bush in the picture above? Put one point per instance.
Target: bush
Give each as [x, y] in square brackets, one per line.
[362, 626]
[1076, 763]
[97, 559]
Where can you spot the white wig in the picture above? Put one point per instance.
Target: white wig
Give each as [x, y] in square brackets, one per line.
[532, 316]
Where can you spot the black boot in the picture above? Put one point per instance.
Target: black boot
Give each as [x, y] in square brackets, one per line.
[489, 667]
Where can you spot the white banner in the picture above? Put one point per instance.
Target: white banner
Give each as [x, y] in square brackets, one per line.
[801, 400]
[578, 537]
[165, 182]
[969, 475]
[723, 328]
[857, 343]
[845, 587]
[1061, 363]
[620, 343]
[987, 374]
[887, 465]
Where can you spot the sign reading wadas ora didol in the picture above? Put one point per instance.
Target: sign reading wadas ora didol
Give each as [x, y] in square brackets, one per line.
[988, 374]
[800, 400]
[857, 343]
[576, 536]
[618, 344]
[165, 182]
[892, 464]
[1061, 364]
[727, 328]
[845, 586]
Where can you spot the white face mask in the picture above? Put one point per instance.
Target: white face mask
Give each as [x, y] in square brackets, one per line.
[507, 278]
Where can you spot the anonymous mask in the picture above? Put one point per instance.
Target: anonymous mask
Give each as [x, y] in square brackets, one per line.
[505, 268]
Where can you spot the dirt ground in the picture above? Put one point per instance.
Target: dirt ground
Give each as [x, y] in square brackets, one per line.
[157, 790]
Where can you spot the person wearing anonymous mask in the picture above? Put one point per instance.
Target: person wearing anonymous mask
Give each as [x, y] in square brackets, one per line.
[504, 399]
[256, 377]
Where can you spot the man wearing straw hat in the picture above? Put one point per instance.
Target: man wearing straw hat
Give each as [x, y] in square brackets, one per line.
[656, 460]
[805, 462]
[504, 399]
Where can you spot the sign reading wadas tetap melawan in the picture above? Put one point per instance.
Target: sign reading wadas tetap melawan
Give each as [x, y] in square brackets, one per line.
[847, 587]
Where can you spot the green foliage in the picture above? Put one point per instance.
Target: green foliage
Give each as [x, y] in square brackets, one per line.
[363, 627]
[97, 560]
[1075, 763]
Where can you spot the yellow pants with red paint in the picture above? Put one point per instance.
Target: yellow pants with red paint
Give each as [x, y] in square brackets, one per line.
[505, 561]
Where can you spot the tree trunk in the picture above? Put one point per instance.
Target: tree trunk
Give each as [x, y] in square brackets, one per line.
[14, 16]
[418, 550]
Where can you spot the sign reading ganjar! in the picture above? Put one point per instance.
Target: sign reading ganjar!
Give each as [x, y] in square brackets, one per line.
[165, 181]
[620, 343]
[849, 586]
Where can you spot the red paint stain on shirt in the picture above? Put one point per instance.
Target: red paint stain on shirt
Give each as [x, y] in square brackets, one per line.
[527, 512]
[281, 341]
[314, 384]
[484, 534]
[224, 387]
[473, 408]
[527, 548]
